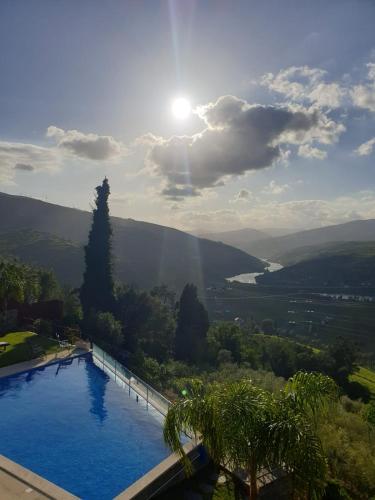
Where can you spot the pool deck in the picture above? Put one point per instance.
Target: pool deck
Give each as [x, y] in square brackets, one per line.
[18, 482]
[42, 360]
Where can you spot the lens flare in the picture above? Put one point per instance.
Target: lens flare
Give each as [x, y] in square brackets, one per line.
[181, 108]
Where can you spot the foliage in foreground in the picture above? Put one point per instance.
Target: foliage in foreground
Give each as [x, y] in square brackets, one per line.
[245, 427]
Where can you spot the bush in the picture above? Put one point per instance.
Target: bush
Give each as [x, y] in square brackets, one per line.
[224, 356]
[8, 321]
[105, 330]
[43, 327]
[350, 450]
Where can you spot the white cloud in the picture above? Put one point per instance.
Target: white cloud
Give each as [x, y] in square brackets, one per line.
[275, 189]
[307, 151]
[238, 138]
[366, 148]
[363, 95]
[18, 156]
[87, 146]
[297, 214]
[305, 84]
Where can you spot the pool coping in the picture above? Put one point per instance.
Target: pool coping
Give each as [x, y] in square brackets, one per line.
[48, 359]
[165, 471]
[36, 482]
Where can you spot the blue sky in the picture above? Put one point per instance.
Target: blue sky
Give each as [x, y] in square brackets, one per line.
[282, 93]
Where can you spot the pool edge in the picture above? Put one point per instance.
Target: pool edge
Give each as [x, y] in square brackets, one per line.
[166, 473]
[34, 481]
[35, 363]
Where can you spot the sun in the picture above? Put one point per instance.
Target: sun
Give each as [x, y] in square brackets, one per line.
[181, 108]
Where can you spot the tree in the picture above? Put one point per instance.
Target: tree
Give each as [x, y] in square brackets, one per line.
[49, 287]
[192, 326]
[344, 354]
[97, 291]
[148, 324]
[268, 326]
[12, 283]
[227, 336]
[105, 330]
[243, 426]
[166, 296]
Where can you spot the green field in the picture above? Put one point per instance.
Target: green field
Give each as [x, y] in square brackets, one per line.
[366, 377]
[300, 314]
[25, 346]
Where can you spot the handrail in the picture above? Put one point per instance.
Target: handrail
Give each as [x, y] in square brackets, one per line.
[149, 394]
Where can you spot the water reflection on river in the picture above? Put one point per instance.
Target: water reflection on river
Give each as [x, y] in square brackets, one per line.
[250, 277]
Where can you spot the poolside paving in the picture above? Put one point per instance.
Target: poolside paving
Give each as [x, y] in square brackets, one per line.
[40, 361]
[11, 488]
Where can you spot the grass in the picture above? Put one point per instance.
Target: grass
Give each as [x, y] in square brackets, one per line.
[318, 321]
[25, 346]
[366, 377]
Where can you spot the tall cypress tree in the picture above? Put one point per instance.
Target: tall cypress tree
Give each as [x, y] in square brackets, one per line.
[192, 326]
[97, 291]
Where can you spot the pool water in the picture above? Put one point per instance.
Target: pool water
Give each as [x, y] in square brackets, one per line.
[72, 424]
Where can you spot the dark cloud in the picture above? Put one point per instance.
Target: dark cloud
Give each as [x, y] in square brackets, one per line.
[24, 166]
[239, 137]
[175, 192]
[89, 146]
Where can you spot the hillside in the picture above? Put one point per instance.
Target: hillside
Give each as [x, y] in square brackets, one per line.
[358, 248]
[144, 254]
[45, 250]
[271, 248]
[341, 264]
[240, 238]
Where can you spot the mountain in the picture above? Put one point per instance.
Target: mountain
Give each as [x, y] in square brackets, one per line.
[358, 248]
[347, 264]
[144, 254]
[359, 230]
[239, 238]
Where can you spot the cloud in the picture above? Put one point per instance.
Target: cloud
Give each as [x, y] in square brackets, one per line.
[363, 95]
[307, 151]
[305, 84]
[298, 214]
[87, 146]
[174, 192]
[24, 166]
[366, 148]
[27, 157]
[242, 196]
[238, 138]
[275, 189]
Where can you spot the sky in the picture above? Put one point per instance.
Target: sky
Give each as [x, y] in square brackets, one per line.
[281, 132]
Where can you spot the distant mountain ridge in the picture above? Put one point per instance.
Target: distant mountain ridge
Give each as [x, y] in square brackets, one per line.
[301, 254]
[343, 264]
[271, 248]
[144, 254]
[239, 238]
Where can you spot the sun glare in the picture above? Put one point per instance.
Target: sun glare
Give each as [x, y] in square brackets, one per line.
[181, 108]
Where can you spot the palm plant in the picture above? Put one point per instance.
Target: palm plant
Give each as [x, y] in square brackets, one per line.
[245, 427]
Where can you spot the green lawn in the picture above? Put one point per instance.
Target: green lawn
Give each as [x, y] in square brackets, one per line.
[25, 346]
[366, 377]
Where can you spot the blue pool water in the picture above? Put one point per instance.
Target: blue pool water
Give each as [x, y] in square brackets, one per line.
[76, 427]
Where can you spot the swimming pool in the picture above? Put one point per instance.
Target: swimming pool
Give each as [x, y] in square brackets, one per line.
[72, 424]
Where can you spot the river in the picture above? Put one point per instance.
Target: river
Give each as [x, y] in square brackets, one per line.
[249, 278]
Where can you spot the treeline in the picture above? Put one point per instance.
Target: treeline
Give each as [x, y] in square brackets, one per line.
[26, 285]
